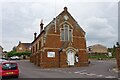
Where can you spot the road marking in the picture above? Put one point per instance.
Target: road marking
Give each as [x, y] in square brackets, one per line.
[77, 72]
[110, 77]
[91, 74]
[84, 73]
[80, 71]
[83, 70]
[99, 75]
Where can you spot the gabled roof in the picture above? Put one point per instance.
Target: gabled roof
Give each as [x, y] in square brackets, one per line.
[38, 36]
[98, 45]
[26, 44]
[1, 47]
[65, 9]
[99, 48]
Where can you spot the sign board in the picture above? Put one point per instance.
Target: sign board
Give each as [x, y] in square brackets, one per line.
[110, 54]
[51, 54]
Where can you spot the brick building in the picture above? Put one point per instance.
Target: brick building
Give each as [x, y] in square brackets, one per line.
[1, 51]
[118, 56]
[61, 43]
[97, 50]
[23, 47]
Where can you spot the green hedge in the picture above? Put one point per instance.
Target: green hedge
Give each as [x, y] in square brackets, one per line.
[97, 57]
[13, 53]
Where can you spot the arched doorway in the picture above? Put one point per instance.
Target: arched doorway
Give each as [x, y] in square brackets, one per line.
[71, 57]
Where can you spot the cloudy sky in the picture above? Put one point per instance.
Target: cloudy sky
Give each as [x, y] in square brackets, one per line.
[20, 19]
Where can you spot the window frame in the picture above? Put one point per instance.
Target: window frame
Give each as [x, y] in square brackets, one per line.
[68, 33]
[20, 48]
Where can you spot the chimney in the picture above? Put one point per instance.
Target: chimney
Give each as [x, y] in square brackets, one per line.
[35, 34]
[41, 25]
[65, 8]
[19, 42]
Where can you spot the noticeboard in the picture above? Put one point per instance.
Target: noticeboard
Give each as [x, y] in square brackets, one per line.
[51, 54]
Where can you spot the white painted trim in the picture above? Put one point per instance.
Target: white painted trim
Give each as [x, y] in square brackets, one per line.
[64, 23]
[67, 33]
[73, 53]
[54, 34]
[76, 50]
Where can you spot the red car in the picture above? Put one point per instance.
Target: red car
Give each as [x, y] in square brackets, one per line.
[8, 69]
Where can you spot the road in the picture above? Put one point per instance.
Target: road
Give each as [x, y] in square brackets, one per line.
[97, 69]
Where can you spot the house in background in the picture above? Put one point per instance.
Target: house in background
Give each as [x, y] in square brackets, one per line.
[23, 47]
[97, 50]
[1, 51]
[61, 43]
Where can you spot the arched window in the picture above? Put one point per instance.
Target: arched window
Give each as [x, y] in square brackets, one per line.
[66, 33]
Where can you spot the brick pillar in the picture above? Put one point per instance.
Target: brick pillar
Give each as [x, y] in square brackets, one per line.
[31, 59]
[38, 59]
[118, 57]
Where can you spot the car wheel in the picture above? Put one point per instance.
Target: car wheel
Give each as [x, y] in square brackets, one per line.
[17, 76]
[3, 77]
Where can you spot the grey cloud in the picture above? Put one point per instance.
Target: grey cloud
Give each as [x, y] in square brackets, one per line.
[21, 19]
[101, 31]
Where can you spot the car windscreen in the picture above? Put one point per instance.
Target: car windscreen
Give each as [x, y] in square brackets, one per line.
[9, 66]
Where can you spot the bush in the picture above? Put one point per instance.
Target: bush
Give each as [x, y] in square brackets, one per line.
[13, 53]
[97, 57]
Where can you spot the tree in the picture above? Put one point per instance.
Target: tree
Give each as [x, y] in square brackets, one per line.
[10, 54]
[113, 51]
[14, 53]
[14, 48]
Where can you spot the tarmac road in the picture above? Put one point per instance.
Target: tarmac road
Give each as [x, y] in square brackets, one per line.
[97, 69]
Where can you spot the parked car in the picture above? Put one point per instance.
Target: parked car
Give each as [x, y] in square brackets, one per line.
[9, 69]
[2, 60]
[15, 58]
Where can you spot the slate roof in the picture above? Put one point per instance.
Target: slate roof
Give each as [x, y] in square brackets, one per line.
[26, 44]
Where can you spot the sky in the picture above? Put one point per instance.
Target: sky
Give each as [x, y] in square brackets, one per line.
[19, 19]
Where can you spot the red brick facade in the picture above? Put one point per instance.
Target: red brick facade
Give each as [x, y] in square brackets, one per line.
[23, 47]
[118, 57]
[62, 43]
[1, 51]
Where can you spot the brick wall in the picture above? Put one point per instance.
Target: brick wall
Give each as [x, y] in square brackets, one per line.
[21, 46]
[52, 43]
[118, 57]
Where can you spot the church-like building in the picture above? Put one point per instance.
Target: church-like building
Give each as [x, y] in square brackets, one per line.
[61, 43]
